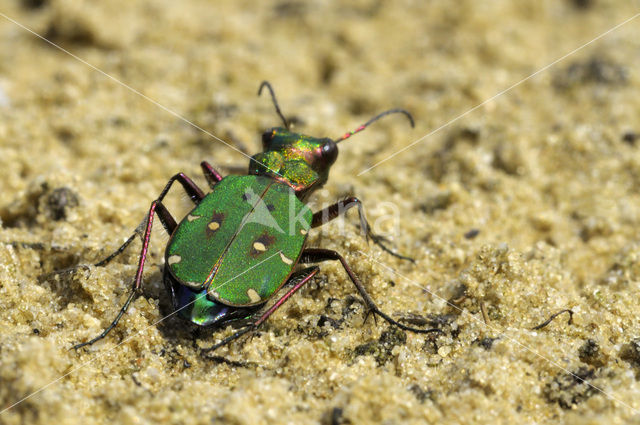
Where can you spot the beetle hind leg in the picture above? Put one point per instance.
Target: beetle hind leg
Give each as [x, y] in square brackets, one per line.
[298, 279]
[316, 255]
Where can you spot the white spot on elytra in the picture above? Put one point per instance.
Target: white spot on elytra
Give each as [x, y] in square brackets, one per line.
[193, 217]
[174, 259]
[259, 246]
[285, 259]
[214, 225]
[303, 232]
[253, 295]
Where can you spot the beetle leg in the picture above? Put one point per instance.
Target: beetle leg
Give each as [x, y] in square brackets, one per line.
[210, 174]
[304, 276]
[117, 252]
[168, 221]
[333, 211]
[316, 255]
[195, 194]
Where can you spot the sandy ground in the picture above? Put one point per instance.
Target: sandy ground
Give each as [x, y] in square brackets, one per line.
[521, 208]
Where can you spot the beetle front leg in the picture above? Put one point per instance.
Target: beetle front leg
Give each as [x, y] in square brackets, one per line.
[316, 255]
[210, 173]
[333, 211]
[169, 222]
[195, 194]
[304, 276]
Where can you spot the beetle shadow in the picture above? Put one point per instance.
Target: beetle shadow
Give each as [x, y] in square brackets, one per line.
[175, 330]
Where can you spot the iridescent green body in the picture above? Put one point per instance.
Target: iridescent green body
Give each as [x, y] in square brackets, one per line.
[241, 242]
[239, 245]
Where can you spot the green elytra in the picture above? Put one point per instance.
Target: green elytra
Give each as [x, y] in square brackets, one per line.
[242, 242]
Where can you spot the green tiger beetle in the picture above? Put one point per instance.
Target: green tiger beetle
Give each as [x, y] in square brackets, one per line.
[240, 244]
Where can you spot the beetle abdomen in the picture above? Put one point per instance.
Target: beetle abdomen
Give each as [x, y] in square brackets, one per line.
[241, 242]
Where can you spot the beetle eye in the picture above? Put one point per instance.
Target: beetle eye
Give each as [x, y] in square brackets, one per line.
[330, 152]
[267, 136]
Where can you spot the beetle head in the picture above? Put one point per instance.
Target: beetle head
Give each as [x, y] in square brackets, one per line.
[300, 161]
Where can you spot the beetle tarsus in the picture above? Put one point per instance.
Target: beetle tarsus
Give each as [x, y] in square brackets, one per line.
[117, 252]
[233, 363]
[316, 255]
[228, 339]
[378, 241]
[113, 324]
[376, 311]
[70, 270]
[369, 312]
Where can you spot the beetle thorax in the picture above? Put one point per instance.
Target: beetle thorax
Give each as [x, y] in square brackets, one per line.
[300, 161]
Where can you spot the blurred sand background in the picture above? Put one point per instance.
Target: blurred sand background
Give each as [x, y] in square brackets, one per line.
[521, 208]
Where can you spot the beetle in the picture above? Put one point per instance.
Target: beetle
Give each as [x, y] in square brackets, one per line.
[241, 242]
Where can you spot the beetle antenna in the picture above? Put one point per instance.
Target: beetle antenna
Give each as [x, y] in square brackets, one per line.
[374, 119]
[275, 101]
